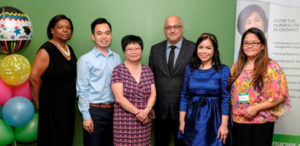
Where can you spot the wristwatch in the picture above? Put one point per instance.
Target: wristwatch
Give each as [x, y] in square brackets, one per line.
[149, 108]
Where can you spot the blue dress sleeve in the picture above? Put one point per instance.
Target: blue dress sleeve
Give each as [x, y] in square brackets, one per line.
[225, 93]
[184, 97]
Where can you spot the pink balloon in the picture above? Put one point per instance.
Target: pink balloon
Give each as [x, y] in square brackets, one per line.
[5, 92]
[22, 90]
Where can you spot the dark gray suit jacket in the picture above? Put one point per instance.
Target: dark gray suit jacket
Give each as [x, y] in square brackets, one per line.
[168, 85]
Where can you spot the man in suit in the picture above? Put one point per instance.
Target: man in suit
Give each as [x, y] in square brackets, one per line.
[167, 61]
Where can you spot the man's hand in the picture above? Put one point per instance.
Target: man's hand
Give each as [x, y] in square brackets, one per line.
[88, 125]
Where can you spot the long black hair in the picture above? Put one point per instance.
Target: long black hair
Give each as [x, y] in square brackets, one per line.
[260, 64]
[196, 62]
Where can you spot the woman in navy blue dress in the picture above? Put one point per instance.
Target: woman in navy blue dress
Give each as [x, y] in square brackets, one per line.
[204, 104]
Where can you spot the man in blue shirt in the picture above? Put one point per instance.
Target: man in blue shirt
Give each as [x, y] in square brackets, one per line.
[94, 70]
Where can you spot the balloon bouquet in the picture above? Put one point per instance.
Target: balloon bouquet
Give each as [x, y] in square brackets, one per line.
[16, 108]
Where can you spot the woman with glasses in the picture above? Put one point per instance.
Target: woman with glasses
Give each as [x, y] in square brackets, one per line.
[133, 86]
[259, 92]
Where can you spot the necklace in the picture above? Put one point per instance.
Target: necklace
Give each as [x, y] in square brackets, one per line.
[134, 71]
[67, 53]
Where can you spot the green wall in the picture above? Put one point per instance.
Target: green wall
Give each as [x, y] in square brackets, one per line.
[140, 17]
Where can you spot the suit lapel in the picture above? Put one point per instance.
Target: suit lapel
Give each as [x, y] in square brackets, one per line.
[180, 57]
[164, 58]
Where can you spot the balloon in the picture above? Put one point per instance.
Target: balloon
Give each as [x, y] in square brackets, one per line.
[5, 92]
[18, 111]
[6, 133]
[15, 69]
[9, 47]
[15, 30]
[22, 90]
[1, 57]
[1, 111]
[28, 132]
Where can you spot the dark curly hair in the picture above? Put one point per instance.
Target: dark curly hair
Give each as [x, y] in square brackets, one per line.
[53, 22]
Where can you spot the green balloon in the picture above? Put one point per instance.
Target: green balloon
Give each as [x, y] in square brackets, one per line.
[1, 57]
[28, 132]
[6, 133]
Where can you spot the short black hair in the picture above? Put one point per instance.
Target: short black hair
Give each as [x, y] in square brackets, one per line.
[246, 12]
[99, 21]
[53, 22]
[128, 39]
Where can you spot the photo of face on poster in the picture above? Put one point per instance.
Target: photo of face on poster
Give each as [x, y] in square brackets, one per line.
[250, 14]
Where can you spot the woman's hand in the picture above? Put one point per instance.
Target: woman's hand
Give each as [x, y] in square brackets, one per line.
[37, 104]
[250, 112]
[223, 133]
[146, 121]
[40, 64]
[142, 115]
[181, 126]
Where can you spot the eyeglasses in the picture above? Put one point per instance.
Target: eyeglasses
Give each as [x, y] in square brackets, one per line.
[176, 27]
[133, 49]
[253, 44]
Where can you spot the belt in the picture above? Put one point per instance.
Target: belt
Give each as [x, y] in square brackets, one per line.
[102, 105]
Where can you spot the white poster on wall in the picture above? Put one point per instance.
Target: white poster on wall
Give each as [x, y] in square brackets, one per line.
[280, 21]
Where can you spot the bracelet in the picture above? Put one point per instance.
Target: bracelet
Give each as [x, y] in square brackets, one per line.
[149, 108]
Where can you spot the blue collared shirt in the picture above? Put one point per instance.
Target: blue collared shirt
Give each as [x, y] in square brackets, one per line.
[176, 51]
[94, 71]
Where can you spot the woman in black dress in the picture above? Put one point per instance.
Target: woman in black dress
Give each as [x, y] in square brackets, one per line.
[52, 84]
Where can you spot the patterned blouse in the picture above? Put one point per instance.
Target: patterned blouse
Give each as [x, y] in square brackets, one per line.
[274, 85]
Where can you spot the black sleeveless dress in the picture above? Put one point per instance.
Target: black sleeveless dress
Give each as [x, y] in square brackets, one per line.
[57, 99]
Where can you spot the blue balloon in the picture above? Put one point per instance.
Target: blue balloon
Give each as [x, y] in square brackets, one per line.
[1, 111]
[18, 111]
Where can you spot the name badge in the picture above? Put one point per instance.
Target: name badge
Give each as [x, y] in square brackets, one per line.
[244, 97]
